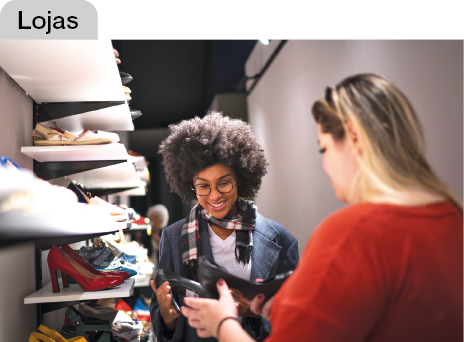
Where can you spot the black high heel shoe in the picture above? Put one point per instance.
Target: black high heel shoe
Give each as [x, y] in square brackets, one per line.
[209, 273]
[179, 285]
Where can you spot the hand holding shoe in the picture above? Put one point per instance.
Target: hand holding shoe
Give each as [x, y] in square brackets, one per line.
[205, 314]
[256, 304]
[167, 311]
[243, 306]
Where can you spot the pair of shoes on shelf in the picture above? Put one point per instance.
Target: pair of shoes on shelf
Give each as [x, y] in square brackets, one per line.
[96, 330]
[52, 136]
[128, 248]
[117, 213]
[130, 331]
[68, 250]
[47, 334]
[119, 265]
[72, 264]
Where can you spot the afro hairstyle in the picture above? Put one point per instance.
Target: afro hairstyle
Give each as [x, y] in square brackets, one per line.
[194, 145]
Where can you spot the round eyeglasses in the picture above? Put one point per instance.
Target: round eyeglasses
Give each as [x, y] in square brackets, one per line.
[222, 187]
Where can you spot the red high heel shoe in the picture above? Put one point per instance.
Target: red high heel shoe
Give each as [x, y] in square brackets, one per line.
[59, 260]
[69, 251]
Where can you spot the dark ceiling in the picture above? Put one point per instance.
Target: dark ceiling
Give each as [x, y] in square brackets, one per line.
[175, 80]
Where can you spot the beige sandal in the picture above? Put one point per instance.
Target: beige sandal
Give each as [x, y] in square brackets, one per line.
[50, 136]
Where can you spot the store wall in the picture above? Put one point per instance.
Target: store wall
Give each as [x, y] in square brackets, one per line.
[17, 265]
[296, 192]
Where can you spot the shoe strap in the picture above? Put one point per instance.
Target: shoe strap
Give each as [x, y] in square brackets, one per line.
[77, 339]
[51, 333]
[38, 337]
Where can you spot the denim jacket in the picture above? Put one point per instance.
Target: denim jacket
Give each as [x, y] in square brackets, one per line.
[275, 251]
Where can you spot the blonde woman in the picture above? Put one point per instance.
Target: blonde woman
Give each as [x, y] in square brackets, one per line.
[389, 267]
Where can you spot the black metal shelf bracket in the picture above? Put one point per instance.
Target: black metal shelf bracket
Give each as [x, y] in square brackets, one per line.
[52, 170]
[57, 110]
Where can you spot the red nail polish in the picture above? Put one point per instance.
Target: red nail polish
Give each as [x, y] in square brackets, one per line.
[221, 282]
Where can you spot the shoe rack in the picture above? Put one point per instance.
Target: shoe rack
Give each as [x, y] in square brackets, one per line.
[77, 85]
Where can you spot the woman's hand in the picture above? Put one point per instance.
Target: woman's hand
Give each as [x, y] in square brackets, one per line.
[256, 304]
[243, 306]
[204, 314]
[167, 311]
[257, 307]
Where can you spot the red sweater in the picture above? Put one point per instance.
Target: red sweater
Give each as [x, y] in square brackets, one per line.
[375, 272]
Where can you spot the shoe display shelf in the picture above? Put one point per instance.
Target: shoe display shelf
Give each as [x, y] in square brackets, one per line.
[76, 83]
[142, 281]
[139, 226]
[49, 301]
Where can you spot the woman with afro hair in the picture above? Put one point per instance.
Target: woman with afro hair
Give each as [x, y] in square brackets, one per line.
[218, 162]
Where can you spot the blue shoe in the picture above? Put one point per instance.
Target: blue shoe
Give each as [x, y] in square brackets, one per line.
[129, 270]
[127, 258]
[7, 162]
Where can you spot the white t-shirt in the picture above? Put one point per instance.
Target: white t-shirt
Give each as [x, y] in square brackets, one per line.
[224, 255]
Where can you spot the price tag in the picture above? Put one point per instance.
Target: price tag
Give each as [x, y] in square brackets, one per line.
[189, 293]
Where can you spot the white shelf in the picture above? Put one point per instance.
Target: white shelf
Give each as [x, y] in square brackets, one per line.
[67, 220]
[42, 154]
[139, 162]
[140, 191]
[75, 293]
[70, 71]
[139, 226]
[106, 119]
[142, 281]
[121, 175]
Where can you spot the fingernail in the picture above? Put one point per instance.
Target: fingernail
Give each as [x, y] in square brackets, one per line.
[260, 296]
[221, 282]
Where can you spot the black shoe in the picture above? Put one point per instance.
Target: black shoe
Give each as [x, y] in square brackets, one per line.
[179, 285]
[83, 196]
[209, 273]
[125, 77]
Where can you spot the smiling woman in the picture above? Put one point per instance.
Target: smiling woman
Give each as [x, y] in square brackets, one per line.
[388, 267]
[217, 161]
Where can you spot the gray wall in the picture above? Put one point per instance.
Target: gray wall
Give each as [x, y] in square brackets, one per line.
[17, 263]
[296, 192]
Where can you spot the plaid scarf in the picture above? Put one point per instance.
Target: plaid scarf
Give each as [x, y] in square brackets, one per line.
[243, 224]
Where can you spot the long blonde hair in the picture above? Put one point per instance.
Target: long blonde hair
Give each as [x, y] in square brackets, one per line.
[393, 157]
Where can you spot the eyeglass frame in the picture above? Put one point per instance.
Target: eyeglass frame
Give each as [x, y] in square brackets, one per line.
[211, 188]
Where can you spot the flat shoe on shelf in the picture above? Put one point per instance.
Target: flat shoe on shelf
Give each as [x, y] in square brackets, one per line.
[51, 136]
[209, 274]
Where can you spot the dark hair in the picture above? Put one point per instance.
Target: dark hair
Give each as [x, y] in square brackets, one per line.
[196, 144]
